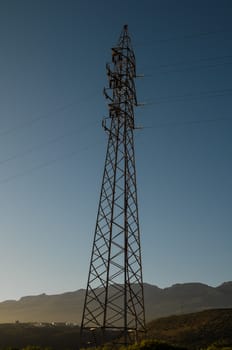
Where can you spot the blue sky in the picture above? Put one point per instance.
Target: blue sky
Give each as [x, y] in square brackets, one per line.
[52, 146]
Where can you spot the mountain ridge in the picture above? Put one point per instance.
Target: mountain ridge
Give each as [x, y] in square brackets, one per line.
[226, 283]
[180, 298]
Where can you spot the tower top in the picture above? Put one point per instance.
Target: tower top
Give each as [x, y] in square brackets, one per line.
[124, 39]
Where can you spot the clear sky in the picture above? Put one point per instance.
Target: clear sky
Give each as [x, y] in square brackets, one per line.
[52, 146]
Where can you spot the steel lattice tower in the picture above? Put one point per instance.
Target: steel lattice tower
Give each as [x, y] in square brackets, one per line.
[114, 296]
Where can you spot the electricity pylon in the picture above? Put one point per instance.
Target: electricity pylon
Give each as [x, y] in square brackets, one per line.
[114, 300]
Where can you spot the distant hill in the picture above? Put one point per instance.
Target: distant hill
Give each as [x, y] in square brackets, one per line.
[186, 298]
[196, 330]
[67, 307]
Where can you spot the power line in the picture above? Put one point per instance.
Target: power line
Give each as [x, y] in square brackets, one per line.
[191, 68]
[187, 122]
[206, 92]
[185, 37]
[43, 116]
[203, 59]
[46, 164]
[74, 153]
[40, 146]
[35, 120]
[179, 98]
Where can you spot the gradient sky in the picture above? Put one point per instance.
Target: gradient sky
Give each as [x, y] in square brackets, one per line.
[52, 146]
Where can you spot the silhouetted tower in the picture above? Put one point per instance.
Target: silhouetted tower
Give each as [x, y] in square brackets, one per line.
[114, 298]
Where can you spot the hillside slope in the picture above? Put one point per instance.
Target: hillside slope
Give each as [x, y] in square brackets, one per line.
[191, 331]
[196, 330]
